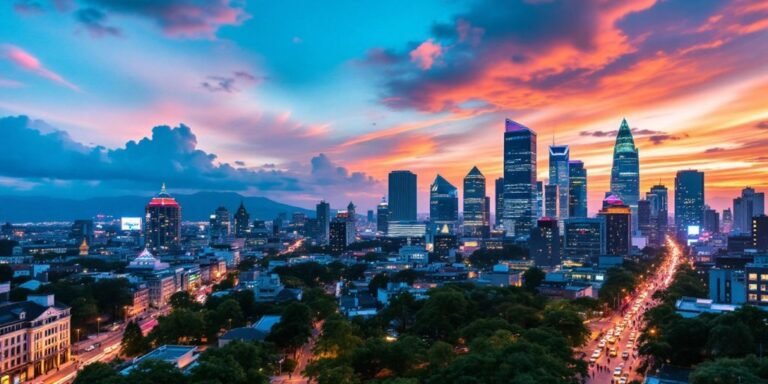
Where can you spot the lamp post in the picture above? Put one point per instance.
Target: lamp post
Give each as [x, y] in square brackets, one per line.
[98, 326]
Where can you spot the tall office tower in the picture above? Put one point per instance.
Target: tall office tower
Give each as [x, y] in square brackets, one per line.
[219, 225]
[551, 200]
[443, 203]
[760, 233]
[382, 215]
[475, 219]
[82, 230]
[539, 199]
[658, 195]
[402, 196]
[337, 236]
[644, 217]
[352, 223]
[519, 178]
[242, 222]
[689, 201]
[370, 217]
[745, 207]
[618, 226]
[499, 191]
[545, 242]
[559, 173]
[488, 214]
[727, 222]
[162, 225]
[625, 173]
[577, 202]
[584, 239]
[323, 216]
[711, 220]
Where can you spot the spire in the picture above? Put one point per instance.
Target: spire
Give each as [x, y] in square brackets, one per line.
[624, 140]
[162, 189]
[475, 172]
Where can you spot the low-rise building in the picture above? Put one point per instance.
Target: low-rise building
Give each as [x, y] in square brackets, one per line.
[182, 356]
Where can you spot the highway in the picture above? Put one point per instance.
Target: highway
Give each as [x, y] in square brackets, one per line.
[619, 332]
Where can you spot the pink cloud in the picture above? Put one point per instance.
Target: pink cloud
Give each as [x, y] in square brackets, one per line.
[426, 53]
[26, 61]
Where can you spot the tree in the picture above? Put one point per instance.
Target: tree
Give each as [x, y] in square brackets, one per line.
[182, 300]
[294, 328]
[532, 278]
[134, 343]
[338, 335]
[380, 280]
[98, 373]
[727, 371]
[6, 272]
[179, 327]
[442, 315]
[322, 304]
[155, 371]
[568, 323]
[401, 311]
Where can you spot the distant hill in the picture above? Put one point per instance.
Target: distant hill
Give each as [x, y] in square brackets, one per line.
[194, 207]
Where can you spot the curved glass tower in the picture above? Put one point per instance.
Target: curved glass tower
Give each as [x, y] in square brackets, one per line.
[625, 173]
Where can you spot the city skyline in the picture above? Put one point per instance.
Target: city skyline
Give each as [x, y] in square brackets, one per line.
[377, 102]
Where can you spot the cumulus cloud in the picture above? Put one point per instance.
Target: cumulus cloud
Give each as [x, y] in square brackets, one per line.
[179, 18]
[170, 154]
[26, 61]
[230, 84]
[426, 53]
[94, 22]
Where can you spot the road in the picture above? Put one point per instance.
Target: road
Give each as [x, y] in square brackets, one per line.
[303, 358]
[604, 369]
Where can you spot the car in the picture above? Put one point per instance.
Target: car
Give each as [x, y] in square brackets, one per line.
[617, 371]
[90, 348]
[623, 380]
[613, 352]
[601, 344]
[592, 360]
[611, 340]
[596, 354]
[625, 355]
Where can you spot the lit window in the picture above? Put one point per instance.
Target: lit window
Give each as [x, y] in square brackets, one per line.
[752, 276]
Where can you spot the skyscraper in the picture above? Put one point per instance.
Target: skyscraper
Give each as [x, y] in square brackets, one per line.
[337, 236]
[82, 230]
[382, 215]
[219, 225]
[559, 174]
[584, 238]
[519, 178]
[539, 199]
[402, 196]
[551, 200]
[625, 173]
[443, 203]
[323, 216]
[242, 222]
[499, 190]
[760, 233]
[745, 207]
[577, 201]
[475, 219]
[162, 228]
[710, 220]
[618, 226]
[644, 217]
[658, 197]
[689, 201]
[545, 242]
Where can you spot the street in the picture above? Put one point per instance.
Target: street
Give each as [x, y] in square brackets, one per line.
[612, 349]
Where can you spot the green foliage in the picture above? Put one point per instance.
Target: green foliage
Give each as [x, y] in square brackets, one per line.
[746, 371]
[134, 343]
[183, 300]
[6, 272]
[484, 258]
[321, 304]
[98, 373]
[618, 283]
[181, 326]
[294, 328]
[532, 278]
[153, 372]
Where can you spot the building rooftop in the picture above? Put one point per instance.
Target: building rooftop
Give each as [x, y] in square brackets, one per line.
[513, 126]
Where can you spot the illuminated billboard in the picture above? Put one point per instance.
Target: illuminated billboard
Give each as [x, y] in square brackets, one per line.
[694, 230]
[130, 223]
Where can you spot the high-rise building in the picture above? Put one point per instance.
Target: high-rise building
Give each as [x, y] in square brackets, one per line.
[545, 242]
[519, 178]
[559, 174]
[689, 201]
[760, 233]
[443, 203]
[745, 207]
[402, 196]
[657, 196]
[625, 173]
[82, 230]
[727, 222]
[242, 222]
[711, 220]
[584, 239]
[370, 217]
[577, 201]
[539, 199]
[382, 216]
[162, 225]
[323, 215]
[337, 239]
[551, 200]
[351, 223]
[618, 226]
[499, 191]
[475, 209]
[219, 225]
[644, 217]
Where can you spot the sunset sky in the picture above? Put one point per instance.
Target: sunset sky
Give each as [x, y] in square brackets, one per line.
[304, 100]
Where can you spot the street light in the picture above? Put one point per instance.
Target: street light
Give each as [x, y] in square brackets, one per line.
[77, 332]
[98, 326]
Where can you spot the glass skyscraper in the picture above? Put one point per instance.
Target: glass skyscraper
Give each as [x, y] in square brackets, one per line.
[577, 200]
[689, 200]
[323, 216]
[402, 196]
[475, 219]
[625, 173]
[559, 174]
[519, 178]
[443, 203]
[745, 207]
[499, 190]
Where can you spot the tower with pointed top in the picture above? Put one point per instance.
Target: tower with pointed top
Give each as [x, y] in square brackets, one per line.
[242, 222]
[162, 229]
[476, 221]
[625, 173]
[443, 203]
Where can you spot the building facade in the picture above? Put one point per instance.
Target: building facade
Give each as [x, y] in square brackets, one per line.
[745, 207]
[625, 173]
[578, 198]
[242, 222]
[559, 174]
[443, 203]
[323, 216]
[382, 216]
[545, 243]
[689, 201]
[519, 179]
[584, 239]
[402, 196]
[476, 221]
[162, 228]
[618, 226]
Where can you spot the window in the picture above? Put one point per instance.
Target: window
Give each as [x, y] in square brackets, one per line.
[764, 276]
[753, 287]
[752, 276]
[752, 297]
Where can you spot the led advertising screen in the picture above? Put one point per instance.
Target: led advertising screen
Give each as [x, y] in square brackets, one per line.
[130, 223]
